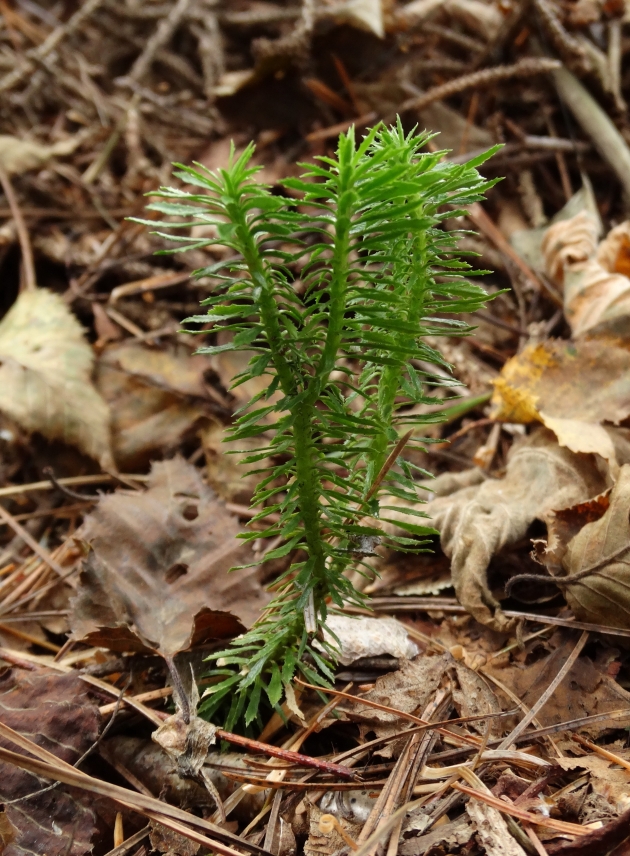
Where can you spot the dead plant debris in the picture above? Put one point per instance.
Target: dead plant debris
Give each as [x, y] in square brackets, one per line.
[496, 723]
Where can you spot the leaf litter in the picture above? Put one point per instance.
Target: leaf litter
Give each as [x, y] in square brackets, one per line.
[553, 476]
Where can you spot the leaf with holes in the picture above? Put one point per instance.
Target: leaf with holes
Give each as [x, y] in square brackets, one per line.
[155, 579]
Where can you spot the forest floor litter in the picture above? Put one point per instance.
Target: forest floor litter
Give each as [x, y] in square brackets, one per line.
[482, 699]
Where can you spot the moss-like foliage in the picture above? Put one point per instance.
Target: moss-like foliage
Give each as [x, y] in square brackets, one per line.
[345, 347]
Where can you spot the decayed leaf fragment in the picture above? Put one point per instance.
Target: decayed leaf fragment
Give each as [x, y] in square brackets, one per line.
[596, 578]
[45, 375]
[155, 395]
[368, 637]
[18, 156]
[156, 578]
[409, 689]
[56, 712]
[492, 830]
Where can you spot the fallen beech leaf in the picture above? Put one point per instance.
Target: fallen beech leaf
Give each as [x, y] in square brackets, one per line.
[477, 521]
[45, 375]
[156, 578]
[368, 637]
[56, 712]
[155, 396]
[596, 578]
[571, 387]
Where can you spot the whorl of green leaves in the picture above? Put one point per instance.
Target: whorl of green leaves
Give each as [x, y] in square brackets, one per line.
[345, 350]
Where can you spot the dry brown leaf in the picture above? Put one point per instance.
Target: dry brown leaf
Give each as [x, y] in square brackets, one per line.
[409, 689]
[56, 712]
[169, 843]
[156, 577]
[571, 387]
[155, 396]
[478, 521]
[586, 690]
[45, 375]
[226, 474]
[454, 834]
[596, 575]
[473, 697]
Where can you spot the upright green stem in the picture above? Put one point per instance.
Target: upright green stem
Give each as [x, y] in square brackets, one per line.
[389, 383]
[304, 417]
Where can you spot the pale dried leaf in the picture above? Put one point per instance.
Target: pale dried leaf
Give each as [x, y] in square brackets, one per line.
[45, 375]
[492, 830]
[596, 285]
[571, 387]
[364, 14]
[368, 637]
[569, 243]
[18, 156]
[156, 578]
[476, 522]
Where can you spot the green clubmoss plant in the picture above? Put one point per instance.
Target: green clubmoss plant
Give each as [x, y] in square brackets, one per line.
[345, 348]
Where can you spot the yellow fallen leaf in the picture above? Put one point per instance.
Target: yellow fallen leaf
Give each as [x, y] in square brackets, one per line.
[45, 375]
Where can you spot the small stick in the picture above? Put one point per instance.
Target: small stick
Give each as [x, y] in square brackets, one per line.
[30, 280]
[599, 750]
[287, 755]
[526, 816]
[389, 463]
[484, 77]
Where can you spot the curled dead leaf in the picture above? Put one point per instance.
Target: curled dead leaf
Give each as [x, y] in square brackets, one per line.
[596, 285]
[156, 578]
[45, 375]
[595, 575]
[477, 521]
